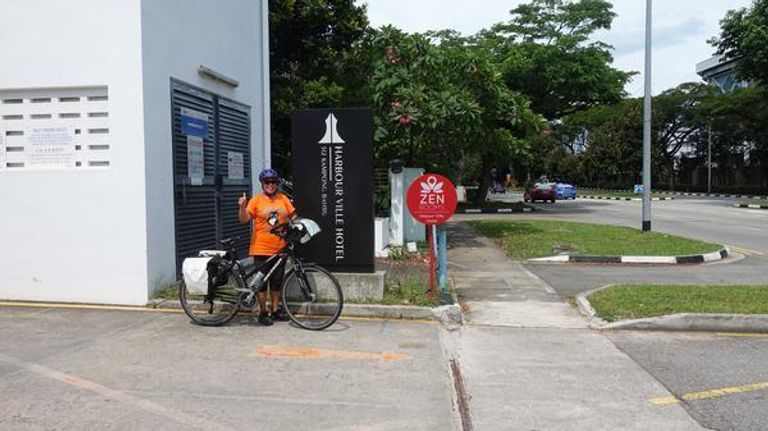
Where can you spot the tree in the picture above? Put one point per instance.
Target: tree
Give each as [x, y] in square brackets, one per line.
[674, 122]
[739, 126]
[440, 100]
[309, 41]
[744, 38]
[547, 55]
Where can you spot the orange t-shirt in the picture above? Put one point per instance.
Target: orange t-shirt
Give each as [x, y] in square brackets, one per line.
[260, 208]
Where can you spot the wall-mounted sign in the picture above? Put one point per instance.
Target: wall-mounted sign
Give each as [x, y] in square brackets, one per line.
[333, 185]
[431, 199]
[235, 165]
[195, 160]
[194, 123]
[50, 147]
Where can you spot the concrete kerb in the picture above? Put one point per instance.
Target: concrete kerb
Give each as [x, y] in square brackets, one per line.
[752, 206]
[635, 260]
[448, 315]
[614, 198]
[493, 210]
[714, 195]
[681, 322]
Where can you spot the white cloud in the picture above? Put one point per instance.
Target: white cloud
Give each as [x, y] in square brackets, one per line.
[681, 30]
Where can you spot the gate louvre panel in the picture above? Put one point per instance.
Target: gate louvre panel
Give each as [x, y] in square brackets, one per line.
[230, 224]
[195, 229]
[195, 206]
[234, 134]
[189, 98]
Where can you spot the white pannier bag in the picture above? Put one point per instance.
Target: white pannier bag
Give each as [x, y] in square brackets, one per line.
[195, 272]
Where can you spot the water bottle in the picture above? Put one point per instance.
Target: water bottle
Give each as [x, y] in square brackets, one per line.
[258, 279]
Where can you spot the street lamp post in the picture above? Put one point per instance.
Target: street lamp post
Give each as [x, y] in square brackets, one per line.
[709, 158]
[647, 123]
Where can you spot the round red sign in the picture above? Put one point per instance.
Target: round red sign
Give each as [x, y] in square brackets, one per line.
[431, 199]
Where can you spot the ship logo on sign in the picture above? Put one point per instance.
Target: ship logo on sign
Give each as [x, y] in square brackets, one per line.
[331, 134]
[432, 192]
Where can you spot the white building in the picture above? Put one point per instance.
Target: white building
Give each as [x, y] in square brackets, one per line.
[128, 128]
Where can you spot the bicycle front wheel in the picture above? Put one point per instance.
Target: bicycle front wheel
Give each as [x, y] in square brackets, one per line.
[215, 309]
[312, 299]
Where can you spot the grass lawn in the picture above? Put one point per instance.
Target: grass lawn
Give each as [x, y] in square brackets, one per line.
[635, 301]
[526, 239]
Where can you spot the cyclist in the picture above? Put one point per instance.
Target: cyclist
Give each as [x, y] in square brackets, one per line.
[267, 209]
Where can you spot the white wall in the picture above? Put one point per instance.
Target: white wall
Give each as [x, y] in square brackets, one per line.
[75, 234]
[177, 37]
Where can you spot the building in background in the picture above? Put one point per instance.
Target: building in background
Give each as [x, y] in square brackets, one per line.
[128, 129]
[720, 73]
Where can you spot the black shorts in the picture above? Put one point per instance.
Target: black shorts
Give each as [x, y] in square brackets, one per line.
[277, 277]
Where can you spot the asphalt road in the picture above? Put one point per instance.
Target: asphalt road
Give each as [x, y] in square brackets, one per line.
[722, 378]
[713, 220]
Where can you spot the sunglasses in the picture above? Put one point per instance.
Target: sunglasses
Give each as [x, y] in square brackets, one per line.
[269, 181]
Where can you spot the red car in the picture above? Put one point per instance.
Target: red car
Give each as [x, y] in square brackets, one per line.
[541, 192]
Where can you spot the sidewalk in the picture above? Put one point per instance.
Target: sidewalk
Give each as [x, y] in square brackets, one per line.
[529, 361]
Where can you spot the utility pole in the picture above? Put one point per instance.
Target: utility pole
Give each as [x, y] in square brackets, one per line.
[647, 123]
[709, 158]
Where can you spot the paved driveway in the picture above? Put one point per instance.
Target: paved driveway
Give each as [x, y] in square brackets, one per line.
[87, 369]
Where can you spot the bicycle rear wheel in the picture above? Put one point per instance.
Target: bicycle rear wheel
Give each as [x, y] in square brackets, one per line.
[212, 310]
[313, 300]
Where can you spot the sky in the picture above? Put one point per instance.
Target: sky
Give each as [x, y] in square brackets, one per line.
[681, 29]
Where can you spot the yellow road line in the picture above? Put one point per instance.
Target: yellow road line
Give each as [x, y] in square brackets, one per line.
[746, 251]
[177, 310]
[714, 393]
[741, 334]
[389, 319]
[87, 307]
[312, 353]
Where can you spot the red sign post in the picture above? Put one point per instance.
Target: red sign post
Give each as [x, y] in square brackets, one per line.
[432, 200]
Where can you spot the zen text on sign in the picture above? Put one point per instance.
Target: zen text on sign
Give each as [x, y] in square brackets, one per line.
[431, 199]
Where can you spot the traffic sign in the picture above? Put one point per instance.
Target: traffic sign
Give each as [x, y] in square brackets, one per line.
[431, 199]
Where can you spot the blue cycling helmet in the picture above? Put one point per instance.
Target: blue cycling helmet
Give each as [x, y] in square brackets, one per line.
[268, 173]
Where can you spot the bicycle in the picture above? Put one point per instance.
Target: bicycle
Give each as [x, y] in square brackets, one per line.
[310, 295]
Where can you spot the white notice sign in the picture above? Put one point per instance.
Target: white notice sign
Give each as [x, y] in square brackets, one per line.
[50, 147]
[195, 160]
[235, 166]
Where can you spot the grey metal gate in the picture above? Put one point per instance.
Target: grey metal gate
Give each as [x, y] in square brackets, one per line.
[206, 208]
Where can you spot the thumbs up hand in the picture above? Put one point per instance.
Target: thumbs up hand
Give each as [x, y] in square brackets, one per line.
[242, 201]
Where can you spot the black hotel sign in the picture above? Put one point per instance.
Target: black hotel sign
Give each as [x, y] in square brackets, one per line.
[333, 185]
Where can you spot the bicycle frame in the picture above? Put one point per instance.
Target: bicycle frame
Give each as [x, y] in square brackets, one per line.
[285, 254]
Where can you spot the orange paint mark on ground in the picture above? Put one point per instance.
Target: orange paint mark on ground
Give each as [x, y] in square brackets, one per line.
[311, 353]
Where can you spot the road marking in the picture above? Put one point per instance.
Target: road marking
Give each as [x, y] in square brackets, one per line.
[746, 251]
[312, 353]
[714, 393]
[178, 310]
[122, 397]
[86, 307]
[390, 319]
[741, 334]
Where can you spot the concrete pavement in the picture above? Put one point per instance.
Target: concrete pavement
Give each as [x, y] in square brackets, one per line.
[530, 362]
[70, 369]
